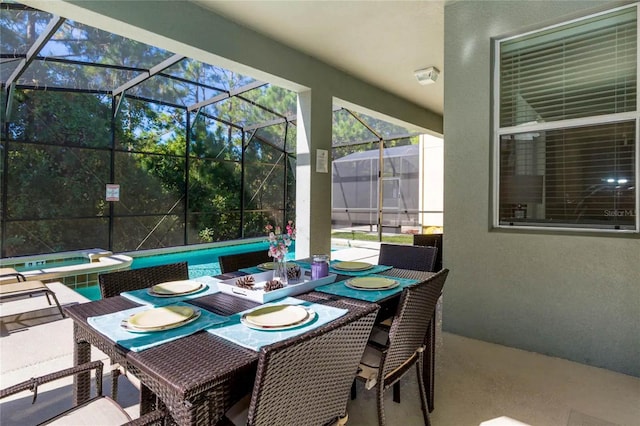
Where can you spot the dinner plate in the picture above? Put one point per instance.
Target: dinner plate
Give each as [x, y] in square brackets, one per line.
[352, 266]
[162, 317]
[309, 315]
[371, 283]
[268, 266]
[276, 316]
[175, 288]
[125, 324]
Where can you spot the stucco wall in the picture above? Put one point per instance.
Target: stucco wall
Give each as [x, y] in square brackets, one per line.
[572, 296]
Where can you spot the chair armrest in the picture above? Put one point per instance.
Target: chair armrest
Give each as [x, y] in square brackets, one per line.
[154, 417]
[17, 275]
[33, 383]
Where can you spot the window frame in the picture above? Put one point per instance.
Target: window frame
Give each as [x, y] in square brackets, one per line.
[497, 132]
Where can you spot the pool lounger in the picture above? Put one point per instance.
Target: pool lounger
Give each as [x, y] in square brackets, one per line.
[13, 284]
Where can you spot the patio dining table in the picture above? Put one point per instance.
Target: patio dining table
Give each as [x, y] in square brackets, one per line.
[200, 376]
[197, 377]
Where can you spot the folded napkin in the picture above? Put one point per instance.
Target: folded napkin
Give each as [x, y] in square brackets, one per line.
[375, 270]
[340, 289]
[110, 326]
[238, 333]
[144, 298]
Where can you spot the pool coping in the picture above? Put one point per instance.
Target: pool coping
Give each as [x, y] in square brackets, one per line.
[192, 247]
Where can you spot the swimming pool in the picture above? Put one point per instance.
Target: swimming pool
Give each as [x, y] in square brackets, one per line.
[202, 262]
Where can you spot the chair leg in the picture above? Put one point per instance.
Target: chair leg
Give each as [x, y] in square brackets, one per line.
[115, 373]
[423, 393]
[396, 392]
[55, 299]
[353, 390]
[380, 395]
[429, 363]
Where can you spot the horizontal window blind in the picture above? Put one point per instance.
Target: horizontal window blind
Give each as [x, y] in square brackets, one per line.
[573, 87]
[584, 69]
[574, 177]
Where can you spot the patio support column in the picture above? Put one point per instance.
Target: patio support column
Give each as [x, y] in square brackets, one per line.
[313, 187]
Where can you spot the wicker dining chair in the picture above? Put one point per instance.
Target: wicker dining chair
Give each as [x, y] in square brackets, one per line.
[384, 363]
[431, 240]
[236, 261]
[306, 380]
[401, 256]
[100, 410]
[114, 283]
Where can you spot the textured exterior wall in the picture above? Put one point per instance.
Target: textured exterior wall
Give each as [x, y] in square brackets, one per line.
[571, 296]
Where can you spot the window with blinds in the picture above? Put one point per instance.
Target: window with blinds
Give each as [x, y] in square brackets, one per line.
[566, 125]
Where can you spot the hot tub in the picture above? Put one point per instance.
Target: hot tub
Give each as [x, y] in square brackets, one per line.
[75, 269]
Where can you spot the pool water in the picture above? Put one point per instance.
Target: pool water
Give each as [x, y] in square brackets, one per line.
[91, 293]
[201, 262]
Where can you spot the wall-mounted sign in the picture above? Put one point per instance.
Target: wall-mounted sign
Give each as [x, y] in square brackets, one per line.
[322, 161]
[113, 192]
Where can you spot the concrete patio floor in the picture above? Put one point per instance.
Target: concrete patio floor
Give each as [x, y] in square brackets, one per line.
[477, 383]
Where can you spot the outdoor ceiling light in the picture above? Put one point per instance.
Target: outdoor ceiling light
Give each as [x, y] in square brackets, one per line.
[427, 75]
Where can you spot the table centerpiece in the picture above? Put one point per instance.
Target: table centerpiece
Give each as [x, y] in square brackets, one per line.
[279, 243]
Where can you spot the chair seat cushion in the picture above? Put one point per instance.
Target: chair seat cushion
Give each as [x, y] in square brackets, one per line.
[369, 366]
[22, 287]
[9, 275]
[97, 411]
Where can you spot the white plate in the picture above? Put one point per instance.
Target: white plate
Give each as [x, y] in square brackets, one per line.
[132, 328]
[175, 288]
[371, 283]
[352, 266]
[277, 317]
[161, 317]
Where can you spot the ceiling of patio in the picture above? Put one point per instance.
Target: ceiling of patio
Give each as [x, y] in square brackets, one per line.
[381, 42]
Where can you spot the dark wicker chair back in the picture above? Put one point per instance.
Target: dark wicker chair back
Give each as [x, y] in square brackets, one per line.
[405, 345]
[233, 262]
[408, 257]
[306, 381]
[114, 283]
[409, 328]
[432, 240]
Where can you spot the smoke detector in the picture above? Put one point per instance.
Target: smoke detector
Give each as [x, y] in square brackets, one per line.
[427, 75]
